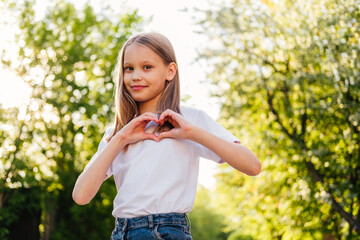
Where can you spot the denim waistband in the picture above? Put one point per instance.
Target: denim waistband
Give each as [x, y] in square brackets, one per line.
[151, 220]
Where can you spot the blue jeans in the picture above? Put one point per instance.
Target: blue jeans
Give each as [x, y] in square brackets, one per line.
[154, 226]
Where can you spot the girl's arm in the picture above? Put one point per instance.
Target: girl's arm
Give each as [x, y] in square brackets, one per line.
[237, 155]
[90, 180]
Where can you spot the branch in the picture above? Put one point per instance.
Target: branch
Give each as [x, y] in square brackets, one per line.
[317, 177]
[277, 118]
[267, 62]
[285, 88]
[303, 116]
[315, 174]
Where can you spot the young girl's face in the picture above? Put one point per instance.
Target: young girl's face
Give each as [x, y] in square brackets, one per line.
[145, 74]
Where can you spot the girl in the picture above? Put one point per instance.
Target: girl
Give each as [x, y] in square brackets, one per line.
[153, 150]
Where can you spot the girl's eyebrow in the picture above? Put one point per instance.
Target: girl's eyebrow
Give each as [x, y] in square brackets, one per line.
[141, 63]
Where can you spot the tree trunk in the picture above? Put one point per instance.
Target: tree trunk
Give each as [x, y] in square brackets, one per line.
[49, 221]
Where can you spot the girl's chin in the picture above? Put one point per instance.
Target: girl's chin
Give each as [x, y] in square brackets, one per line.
[139, 100]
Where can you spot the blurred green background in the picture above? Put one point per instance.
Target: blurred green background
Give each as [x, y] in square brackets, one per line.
[287, 74]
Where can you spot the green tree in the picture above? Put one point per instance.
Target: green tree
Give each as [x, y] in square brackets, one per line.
[66, 58]
[288, 74]
[206, 222]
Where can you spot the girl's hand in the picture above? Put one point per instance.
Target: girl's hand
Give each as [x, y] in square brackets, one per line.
[134, 130]
[182, 128]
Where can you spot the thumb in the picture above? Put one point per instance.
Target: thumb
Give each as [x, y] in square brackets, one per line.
[150, 136]
[167, 134]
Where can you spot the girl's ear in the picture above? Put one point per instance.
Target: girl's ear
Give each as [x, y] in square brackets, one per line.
[171, 71]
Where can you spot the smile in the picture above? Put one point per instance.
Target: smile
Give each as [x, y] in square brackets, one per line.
[137, 87]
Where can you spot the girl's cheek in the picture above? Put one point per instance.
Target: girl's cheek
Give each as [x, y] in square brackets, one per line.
[126, 78]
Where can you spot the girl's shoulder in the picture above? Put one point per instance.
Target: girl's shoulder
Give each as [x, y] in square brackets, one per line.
[192, 114]
[189, 111]
[109, 130]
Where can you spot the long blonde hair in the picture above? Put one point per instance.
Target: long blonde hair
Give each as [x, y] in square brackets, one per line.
[126, 108]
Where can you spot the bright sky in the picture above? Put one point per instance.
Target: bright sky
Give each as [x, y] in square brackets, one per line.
[168, 18]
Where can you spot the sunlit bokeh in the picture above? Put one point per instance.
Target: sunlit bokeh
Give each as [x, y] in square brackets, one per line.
[15, 93]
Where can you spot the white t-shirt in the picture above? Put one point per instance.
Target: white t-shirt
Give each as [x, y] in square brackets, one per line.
[161, 177]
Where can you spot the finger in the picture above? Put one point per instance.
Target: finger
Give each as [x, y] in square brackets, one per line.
[166, 119]
[147, 118]
[167, 115]
[173, 120]
[150, 136]
[151, 114]
[148, 115]
[155, 117]
[167, 134]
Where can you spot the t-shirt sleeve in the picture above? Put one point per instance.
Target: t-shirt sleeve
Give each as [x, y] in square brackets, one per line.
[207, 123]
[102, 145]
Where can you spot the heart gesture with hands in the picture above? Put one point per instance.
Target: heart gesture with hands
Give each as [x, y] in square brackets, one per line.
[182, 128]
[134, 131]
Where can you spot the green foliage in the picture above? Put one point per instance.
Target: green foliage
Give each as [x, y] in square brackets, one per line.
[23, 208]
[67, 59]
[237, 235]
[288, 74]
[206, 222]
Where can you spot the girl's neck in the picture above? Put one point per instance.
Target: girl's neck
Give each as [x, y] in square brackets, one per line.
[147, 107]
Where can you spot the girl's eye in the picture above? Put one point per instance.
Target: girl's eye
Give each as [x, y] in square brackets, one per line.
[147, 67]
[128, 69]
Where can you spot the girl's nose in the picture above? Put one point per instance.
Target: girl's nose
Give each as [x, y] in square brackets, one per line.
[136, 75]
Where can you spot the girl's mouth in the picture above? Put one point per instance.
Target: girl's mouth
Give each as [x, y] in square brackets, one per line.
[137, 87]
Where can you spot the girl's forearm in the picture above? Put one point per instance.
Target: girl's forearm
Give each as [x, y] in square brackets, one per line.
[90, 180]
[236, 155]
